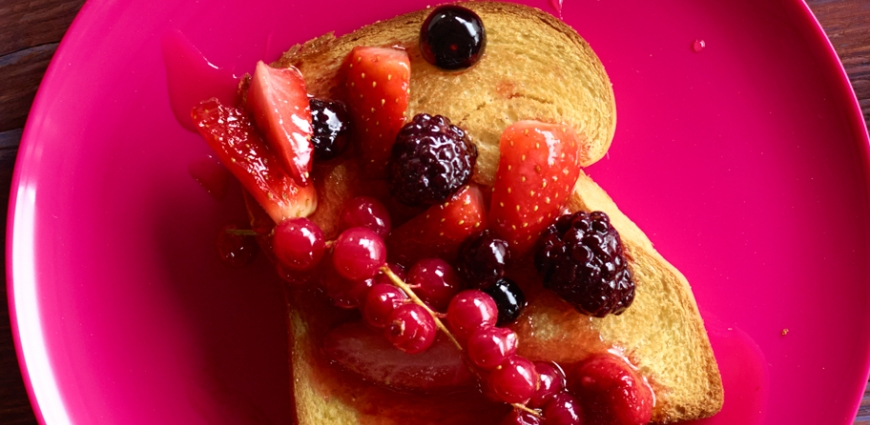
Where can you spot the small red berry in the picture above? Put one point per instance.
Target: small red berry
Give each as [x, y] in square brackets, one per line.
[552, 382]
[411, 328]
[469, 311]
[490, 347]
[563, 409]
[358, 253]
[298, 244]
[380, 302]
[435, 282]
[344, 293]
[514, 381]
[520, 417]
[370, 213]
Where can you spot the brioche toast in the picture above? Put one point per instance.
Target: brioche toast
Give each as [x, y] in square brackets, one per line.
[535, 67]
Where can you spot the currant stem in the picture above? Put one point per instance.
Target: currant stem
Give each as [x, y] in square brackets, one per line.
[523, 407]
[436, 317]
[405, 287]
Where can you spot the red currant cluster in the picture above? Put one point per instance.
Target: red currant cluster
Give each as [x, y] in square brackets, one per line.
[411, 306]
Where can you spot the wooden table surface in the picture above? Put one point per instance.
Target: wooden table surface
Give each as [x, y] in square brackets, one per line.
[31, 29]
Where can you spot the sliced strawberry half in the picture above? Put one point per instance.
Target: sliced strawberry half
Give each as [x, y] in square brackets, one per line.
[536, 172]
[378, 83]
[279, 104]
[366, 352]
[439, 230]
[229, 132]
[611, 391]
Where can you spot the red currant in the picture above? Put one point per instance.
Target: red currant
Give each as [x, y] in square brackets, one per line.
[358, 253]
[563, 409]
[343, 292]
[380, 302]
[298, 244]
[520, 417]
[490, 347]
[471, 310]
[398, 270]
[435, 282]
[235, 250]
[363, 211]
[411, 328]
[515, 381]
[552, 382]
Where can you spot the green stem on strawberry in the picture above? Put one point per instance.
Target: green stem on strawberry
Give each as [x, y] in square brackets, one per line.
[404, 286]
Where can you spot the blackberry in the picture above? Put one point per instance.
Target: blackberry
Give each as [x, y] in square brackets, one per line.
[581, 259]
[452, 37]
[430, 161]
[509, 299]
[482, 259]
[330, 124]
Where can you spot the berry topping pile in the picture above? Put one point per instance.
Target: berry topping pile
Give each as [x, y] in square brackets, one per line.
[580, 258]
[452, 37]
[431, 260]
[430, 161]
[331, 126]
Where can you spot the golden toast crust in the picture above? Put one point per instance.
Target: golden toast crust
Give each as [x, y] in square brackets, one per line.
[535, 67]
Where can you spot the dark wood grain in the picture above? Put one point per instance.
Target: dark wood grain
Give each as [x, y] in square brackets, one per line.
[847, 23]
[29, 33]
[31, 29]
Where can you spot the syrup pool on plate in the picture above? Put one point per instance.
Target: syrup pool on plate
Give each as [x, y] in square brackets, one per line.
[557, 5]
[745, 376]
[191, 78]
[211, 175]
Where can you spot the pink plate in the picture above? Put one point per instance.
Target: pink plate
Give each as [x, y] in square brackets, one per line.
[744, 159]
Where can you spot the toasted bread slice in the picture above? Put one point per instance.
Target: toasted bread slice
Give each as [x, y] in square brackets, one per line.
[535, 67]
[662, 333]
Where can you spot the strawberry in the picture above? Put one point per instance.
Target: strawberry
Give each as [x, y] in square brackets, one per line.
[536, 172]
[439, 230]
[366, 352]
[378, 81]
[611, 391]
[229, 132]
[279, 104]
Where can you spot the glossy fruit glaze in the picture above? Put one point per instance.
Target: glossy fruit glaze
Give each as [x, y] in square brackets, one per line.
[758, 131]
